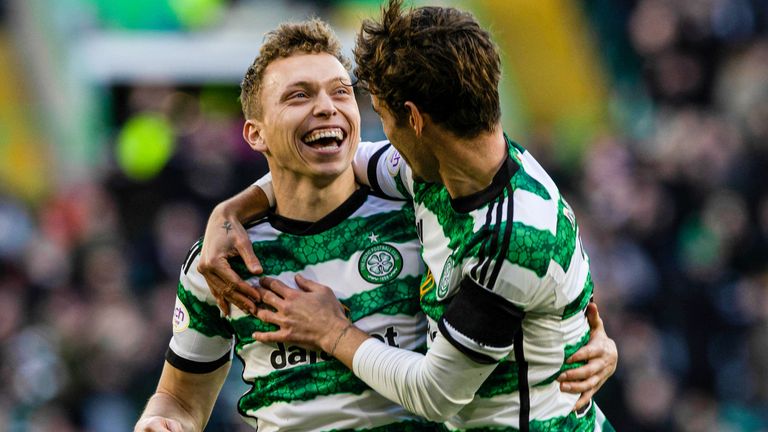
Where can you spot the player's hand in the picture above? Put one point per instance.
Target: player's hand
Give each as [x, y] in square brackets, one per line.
[601, 356]
[224, 238]
[310, 316]
[158, 424]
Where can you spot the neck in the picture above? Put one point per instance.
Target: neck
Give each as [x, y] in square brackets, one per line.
[468, 165]
[310, 199]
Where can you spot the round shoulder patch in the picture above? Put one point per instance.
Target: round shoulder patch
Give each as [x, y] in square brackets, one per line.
[380, 263]
[393, 163]
[180, 317]
[444, 285]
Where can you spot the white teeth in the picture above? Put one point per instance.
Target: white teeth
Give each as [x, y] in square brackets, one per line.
[330, 147]
[336, 133]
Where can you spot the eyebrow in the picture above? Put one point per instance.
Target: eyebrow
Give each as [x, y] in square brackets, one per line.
[339, 78]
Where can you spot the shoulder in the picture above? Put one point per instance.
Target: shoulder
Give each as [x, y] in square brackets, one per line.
[377, 204]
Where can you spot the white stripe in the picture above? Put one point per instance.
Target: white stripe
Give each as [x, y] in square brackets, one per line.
[536, 212]
[367, 410]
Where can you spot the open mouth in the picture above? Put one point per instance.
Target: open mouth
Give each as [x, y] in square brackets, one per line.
[324, 139]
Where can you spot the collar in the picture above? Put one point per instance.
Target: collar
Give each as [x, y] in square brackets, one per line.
[467, 203]
[335, 217]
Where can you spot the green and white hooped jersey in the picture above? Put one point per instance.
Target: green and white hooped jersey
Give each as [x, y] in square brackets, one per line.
[367, 251]
[505, 258]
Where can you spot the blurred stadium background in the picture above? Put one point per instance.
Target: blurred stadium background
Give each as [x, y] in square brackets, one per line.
[120, 129]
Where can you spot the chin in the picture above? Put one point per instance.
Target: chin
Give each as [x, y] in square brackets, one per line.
[330, 172]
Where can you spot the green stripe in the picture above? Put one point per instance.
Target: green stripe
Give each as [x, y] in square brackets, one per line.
[580, 302]
[569, 423]
[244, 328]
[504, 379]
[397, 297]
[301, 383]
[394, 298]
[565, 245]
[569, 350]
[522, 181]
[291, 253]
[533, 249]
[456, 227]
[204, 318]
[529, 247]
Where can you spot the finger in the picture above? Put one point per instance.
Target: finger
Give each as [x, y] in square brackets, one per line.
[580, 386]
[593, 317]
[271, 299]
[581, 373]
[268, 337]
[244, 303]
[245, 250]
[276, 286]
[224, 306]
[216, 285]
[233, 280]
[587, 353]
[227, 294]
[268, 316]
[583, 400]
[174, 426]
[242, 295]
[309, 285]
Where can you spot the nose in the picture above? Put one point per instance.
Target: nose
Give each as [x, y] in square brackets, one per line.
[324, 105]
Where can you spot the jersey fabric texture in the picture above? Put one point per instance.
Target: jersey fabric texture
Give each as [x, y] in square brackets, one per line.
[368, 252]
[508, 282]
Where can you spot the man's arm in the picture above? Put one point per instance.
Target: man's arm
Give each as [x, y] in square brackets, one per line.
[377, 165]
[183, 401]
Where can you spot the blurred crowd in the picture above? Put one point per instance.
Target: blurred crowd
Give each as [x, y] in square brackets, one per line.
[672, 203]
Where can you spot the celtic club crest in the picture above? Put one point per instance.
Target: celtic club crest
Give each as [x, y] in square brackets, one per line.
[380, 263]
[444, 284]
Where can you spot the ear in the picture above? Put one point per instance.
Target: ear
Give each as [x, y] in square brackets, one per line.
[252, 135]
[415, 117]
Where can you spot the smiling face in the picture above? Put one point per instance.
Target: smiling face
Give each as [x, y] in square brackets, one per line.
[310, 122]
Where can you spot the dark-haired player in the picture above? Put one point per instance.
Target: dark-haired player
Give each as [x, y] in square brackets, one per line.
[508, 282]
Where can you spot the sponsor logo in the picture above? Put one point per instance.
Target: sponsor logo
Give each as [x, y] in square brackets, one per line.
[291, 355]
[180, 317]
[445, 279]
[393, 163]
[389, 337]
[380, 263]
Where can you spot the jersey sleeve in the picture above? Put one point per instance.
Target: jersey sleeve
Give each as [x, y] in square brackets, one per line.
[427, 385]
[380, 166]
[480, 323]
[265, 184]
[202, 338]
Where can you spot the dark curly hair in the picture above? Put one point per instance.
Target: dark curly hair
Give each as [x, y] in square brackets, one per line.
[311, 36]
[437, 57]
